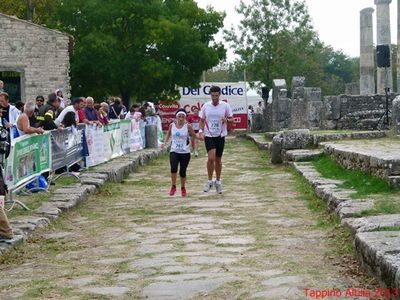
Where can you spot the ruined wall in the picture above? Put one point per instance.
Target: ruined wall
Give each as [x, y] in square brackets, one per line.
[353, 112]
[39, 54]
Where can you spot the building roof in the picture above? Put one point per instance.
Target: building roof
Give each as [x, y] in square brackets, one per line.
[36, 25]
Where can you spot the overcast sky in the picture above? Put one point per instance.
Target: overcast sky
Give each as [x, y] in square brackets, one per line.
[336, 21]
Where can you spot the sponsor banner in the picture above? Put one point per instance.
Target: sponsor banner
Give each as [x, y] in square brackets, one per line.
[30, 156]
[125, 126]
[232, 93]
[112, 140]
[95, 142]
[67, 147]
[136, 142]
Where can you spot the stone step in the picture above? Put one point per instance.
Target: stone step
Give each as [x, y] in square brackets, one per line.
[303, 154]
[394, 181]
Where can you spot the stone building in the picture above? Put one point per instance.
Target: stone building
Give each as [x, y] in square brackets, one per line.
[34, 60]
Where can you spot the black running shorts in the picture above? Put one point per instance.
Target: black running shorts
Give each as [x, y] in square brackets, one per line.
[217, 143]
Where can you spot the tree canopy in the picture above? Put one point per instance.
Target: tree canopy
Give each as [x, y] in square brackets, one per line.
[134, 48]
[140, 48]
[276, 39]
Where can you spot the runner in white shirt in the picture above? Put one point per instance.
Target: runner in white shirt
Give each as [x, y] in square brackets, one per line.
[180, 132]
[213, 129]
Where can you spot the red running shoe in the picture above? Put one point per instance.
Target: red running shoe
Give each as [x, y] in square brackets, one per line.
[172, 191]
[183, 191]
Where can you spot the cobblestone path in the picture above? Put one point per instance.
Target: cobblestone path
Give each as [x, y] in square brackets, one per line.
[132, 241]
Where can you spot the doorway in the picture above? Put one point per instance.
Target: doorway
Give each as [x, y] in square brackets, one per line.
[12, 84]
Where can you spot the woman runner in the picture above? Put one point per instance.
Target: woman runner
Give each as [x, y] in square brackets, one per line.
[180, 133]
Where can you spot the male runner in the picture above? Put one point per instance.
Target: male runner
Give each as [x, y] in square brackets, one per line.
[213, 128]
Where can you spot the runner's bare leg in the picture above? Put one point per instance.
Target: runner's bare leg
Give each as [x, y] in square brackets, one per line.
[218, 167]
[173, 178]
[210, 163]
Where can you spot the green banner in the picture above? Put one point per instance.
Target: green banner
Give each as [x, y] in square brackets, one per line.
[29, 157]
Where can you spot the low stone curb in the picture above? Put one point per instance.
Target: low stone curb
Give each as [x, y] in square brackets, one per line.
[383, 166]
[65, 198]
[378, 251]
[302, 154]
[376, 246]
[259, 140]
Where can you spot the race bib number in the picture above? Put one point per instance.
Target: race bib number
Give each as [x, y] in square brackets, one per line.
[179, 146]
[215, 126]
[195, 126]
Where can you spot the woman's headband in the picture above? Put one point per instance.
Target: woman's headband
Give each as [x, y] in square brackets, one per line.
[181, 113]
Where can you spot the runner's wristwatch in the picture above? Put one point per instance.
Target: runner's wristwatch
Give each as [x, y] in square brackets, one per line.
[200, 130]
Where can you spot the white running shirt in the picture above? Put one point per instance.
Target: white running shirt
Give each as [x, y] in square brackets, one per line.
[212, 116]
[180, 138]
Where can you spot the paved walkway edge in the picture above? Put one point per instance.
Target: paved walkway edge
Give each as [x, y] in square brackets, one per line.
[377, 250]
[65, 198]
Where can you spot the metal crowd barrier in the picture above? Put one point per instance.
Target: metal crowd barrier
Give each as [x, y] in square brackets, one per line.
[33, 155]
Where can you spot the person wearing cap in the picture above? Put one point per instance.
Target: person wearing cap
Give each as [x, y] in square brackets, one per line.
[180, 133]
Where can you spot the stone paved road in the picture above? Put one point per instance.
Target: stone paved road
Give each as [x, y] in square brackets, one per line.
[255, 241]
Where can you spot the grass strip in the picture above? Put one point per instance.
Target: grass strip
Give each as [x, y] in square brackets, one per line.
[362, 183]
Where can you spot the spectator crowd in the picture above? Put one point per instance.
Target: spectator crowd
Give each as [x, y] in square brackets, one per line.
[58, 112]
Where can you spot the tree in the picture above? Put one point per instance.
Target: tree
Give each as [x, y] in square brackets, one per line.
[275, 38]
[37, 11]
[140, 48]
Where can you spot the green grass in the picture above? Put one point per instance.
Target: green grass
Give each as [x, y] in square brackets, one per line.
[338, 237]
[362, 183]
[385, 205]
[395, 228]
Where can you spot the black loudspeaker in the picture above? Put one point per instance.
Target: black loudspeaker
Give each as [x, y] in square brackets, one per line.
[264, 93]
[383, 56]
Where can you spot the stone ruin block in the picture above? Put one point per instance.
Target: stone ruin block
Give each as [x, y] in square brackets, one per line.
[352, 88]
[331, 108]
[298, 113]
[298, 84]
[297, 139]
[396, 115]
[313, 94]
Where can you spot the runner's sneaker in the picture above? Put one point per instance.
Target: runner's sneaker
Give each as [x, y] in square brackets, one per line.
[208, 186]
[196, 153]
[183, 191]
[218, 187]
[172, 191]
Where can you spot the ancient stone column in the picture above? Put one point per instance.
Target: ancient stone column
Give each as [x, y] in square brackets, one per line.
[398, 43]
[396, 115]
[367, 62]
[384, 77]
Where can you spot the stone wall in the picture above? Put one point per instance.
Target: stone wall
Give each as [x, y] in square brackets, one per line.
[39, 54]
[353, 112]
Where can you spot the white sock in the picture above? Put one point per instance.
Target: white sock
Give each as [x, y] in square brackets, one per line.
[218, 181]
[210, 181]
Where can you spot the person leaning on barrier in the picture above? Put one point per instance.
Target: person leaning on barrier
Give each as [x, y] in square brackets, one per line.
[10, 112]
[77, 105]
[47, 113]
[91, 113]
[6, 232]
[23, 121]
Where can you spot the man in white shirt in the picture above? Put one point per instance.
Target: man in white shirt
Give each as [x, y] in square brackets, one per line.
[213, 128]
[77, 104]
